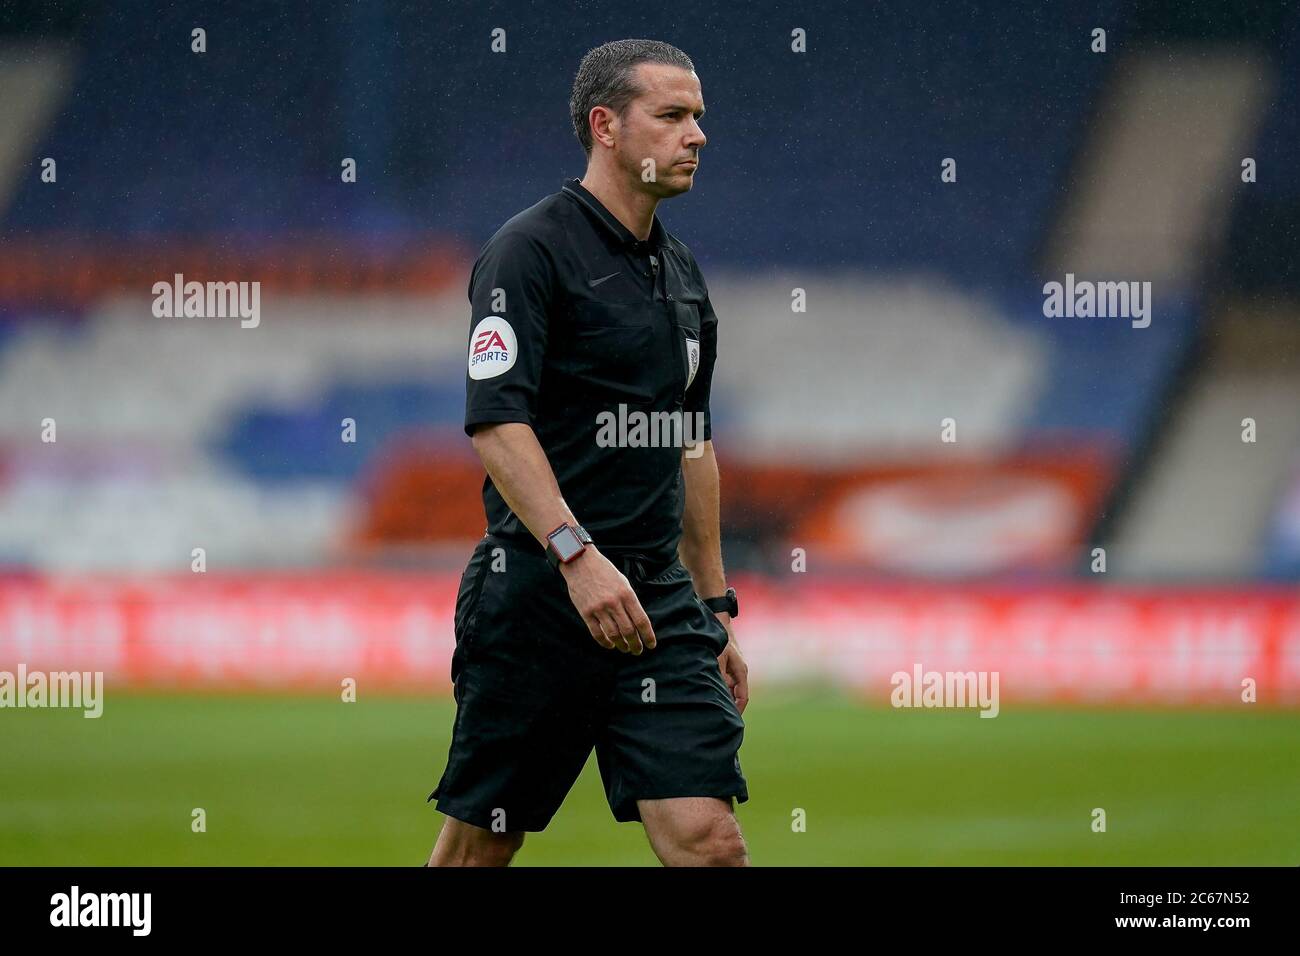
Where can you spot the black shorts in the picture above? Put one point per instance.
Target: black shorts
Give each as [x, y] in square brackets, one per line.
[535, 692]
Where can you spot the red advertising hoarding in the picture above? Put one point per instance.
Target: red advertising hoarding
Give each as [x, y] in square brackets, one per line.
[393, 631]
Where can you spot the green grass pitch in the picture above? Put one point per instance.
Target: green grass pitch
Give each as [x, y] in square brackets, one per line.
[301, 780]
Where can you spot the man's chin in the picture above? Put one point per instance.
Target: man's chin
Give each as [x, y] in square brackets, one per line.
[681, 182]
[665, 187]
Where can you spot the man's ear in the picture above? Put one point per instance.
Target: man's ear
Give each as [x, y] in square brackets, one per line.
[605, 121]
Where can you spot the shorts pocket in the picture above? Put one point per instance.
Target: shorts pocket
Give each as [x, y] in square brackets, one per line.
[467, 605]
[720, 636]
[675, 571]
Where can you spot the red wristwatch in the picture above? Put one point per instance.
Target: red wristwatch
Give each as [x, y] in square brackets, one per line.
[565, 543]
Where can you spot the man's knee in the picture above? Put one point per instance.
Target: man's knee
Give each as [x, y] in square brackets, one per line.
[703, 839]
[719, 843]
[463, 844]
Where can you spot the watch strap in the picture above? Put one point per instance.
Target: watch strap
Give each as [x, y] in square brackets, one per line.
[727, 602]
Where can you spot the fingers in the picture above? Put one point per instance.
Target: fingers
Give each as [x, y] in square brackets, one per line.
[628, 633]
[610, 608]
[741, 691]
[598, 632]
[615, 630]
[610, 625]
[632, 626]
[622, 625]
[641, 621]
[735, 672]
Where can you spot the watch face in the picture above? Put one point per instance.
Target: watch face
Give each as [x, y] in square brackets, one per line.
[566, 543]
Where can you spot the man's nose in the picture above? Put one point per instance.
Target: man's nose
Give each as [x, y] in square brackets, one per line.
[696, 138]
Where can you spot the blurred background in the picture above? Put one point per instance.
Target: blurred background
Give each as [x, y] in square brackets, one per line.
[919, 466]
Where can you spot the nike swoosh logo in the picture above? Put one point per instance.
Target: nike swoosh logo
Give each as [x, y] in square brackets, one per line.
[595, 282]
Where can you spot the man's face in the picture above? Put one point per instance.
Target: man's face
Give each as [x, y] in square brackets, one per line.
[660, 131]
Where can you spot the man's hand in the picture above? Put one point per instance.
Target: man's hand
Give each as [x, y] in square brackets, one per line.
[734, 669]
[607, 603]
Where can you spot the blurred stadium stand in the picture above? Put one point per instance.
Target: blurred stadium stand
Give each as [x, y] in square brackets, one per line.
[924, 299]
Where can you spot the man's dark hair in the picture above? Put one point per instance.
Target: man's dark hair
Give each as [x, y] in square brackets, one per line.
[605, 78]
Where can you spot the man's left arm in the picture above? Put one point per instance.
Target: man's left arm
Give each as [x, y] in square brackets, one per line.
[700, 551]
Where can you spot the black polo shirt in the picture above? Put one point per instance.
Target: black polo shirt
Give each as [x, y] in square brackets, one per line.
[605, 345]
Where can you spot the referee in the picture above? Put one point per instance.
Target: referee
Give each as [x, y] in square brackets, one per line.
[594, 612]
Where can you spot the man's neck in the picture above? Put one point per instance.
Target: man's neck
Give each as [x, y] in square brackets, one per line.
[633, 208]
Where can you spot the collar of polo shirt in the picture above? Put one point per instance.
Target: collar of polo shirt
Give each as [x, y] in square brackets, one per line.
[580, 193]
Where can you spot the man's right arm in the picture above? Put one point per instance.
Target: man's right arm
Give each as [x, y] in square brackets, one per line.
[511, 292]
[602, 595]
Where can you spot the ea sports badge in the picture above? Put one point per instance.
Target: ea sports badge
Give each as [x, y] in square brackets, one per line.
[492, 348]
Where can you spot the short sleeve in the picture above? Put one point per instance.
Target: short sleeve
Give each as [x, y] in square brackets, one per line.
[697, 396]
[510, 292]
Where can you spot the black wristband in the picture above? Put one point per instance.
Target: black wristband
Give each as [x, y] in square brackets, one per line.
[725, 603]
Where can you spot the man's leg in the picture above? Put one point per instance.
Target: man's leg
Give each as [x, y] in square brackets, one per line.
[463, 844]
[669, 750]
[527, 680]
[694, 831]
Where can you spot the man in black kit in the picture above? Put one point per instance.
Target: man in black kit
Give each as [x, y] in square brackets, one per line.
[595, 611]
